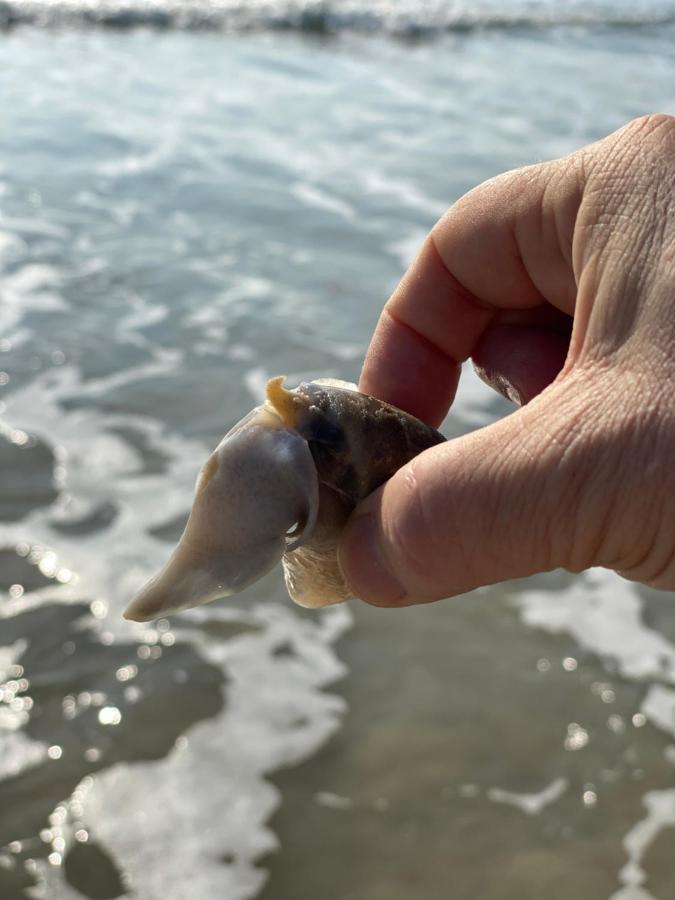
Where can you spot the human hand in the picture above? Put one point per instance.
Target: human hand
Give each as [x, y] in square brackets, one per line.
[558, 281]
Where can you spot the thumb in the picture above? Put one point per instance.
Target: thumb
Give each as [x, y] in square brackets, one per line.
[499, 503]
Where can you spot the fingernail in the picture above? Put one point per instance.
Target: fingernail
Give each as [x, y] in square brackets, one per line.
[498, 382]
[364, 565]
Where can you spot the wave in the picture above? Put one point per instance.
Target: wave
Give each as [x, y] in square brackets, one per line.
[403, 18]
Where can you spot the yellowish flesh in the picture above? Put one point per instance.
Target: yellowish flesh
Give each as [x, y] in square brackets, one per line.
[287, 404]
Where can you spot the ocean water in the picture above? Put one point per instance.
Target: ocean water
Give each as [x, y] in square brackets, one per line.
[185, 210]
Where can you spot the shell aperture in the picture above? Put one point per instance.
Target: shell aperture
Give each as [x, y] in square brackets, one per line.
[281, 485]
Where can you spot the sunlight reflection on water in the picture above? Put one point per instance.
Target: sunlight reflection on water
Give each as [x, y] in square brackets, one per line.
[182, 216]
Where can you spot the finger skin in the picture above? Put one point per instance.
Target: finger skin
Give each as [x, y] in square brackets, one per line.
[558, 281]
[412, 373]
[462, 515]
[487, 256]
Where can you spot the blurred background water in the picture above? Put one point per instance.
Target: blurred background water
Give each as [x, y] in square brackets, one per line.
[185, 210]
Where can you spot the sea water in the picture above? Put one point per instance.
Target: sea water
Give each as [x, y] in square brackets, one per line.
[185, 210]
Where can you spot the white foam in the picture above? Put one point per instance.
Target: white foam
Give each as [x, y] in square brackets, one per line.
[321, 199]
[660, 814]
[530, 804]
[405, 193]
[603, 613]
[137, 163]
[209, 798]
[35, 226]
[31, 287]
[142, 314]
[18, 752]
[333, 801]
[8, 657]
[658, 706]
[406, 248]
[255, 380]
[11, 246]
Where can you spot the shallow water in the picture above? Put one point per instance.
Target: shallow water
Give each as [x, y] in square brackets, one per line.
[182, 215]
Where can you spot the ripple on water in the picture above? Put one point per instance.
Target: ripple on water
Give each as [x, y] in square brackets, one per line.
[75, 681]
[163, 265]
[99, 517]
[28, 464]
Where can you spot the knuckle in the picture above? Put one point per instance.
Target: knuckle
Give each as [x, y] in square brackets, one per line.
[653, 139]
[652, 123]
[642, 150]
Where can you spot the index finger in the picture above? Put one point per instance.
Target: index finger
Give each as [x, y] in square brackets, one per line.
[505, 246]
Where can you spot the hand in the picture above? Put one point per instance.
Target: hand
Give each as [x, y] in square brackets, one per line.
[558, 281]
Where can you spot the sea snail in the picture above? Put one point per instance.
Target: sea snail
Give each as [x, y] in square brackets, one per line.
[281, 485]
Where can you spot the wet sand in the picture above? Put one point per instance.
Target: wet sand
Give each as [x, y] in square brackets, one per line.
[447, 703]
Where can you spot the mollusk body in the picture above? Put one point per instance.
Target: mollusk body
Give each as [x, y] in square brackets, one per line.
[281, 485]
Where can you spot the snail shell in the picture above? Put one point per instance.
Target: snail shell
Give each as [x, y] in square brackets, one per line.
[281, 485]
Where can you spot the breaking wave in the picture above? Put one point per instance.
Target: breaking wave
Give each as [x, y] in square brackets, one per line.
[396, 17]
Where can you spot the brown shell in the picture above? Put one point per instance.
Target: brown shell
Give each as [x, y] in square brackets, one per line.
[357, 443]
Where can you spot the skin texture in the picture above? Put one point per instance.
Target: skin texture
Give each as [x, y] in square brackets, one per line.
[558, 282]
